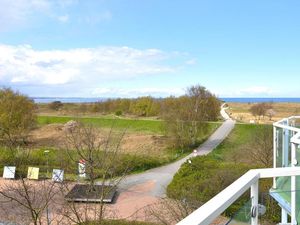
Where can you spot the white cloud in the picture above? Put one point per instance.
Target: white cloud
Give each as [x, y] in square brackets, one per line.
[135, 92]
[254, 91]
[93, 19]
[16, 13]
[191, 62]
[63, 18]
[87, 66]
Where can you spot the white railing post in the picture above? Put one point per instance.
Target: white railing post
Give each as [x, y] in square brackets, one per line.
[284, 216]
[275, 140]
[218, 204]
[293, 187]
[254, 203]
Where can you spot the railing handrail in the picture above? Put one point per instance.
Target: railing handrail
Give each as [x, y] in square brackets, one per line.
[280, 124]
[296, 138]
[218, 204]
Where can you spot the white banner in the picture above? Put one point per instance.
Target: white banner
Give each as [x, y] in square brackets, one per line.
[81, 168]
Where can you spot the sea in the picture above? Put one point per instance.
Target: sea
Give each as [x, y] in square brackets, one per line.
[258, 100]
[91, 100]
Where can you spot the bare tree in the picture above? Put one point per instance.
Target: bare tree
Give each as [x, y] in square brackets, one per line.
[30, 199]
[260, 109]
[168, 211]
[260, 147]
[103, 160]
[270, 113]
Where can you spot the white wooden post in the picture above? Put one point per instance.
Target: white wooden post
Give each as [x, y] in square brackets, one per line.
[254, 203]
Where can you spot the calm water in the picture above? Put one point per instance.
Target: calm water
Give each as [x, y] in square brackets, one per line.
[66, 100]
[241, 100]
[255, 100]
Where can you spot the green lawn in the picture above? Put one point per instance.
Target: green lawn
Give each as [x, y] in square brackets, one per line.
[138, 125]
[238, 138]
[132, 125]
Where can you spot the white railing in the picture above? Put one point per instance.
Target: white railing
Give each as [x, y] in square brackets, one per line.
[284, 123]
[217, 205]
[289, 158]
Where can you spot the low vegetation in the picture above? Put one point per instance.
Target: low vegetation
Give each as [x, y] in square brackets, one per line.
[185, 123]
[161, 143]
[196, 96]
[206, 176]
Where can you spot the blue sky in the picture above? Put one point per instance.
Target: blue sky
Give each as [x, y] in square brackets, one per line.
[129, 48]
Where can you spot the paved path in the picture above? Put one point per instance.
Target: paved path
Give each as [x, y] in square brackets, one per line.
[160, 177]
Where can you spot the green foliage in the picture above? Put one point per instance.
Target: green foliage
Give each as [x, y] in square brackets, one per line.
[118, 113]
[145, 106]
[197, 98]
[17, 117]
[204, 178]
[208, 175]
[58, 158]
[185, 116]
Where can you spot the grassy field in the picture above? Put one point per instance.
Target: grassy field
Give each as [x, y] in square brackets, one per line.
[132, 125]
[240, 112]
[147, 133]
[236, 141]
[154, 151]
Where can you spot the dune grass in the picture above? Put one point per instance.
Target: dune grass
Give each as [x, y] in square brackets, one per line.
[241, 111]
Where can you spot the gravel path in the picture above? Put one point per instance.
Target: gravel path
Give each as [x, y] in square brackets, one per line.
[160, 177]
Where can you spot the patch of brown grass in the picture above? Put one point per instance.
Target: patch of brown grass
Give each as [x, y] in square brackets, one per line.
[241, 112]
[52, 135]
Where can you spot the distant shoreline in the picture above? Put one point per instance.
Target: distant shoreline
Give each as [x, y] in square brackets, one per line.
[91, 100]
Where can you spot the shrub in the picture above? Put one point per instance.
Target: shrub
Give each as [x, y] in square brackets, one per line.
[118, 113]
[17, 117]
[203, 178]
[56, 105]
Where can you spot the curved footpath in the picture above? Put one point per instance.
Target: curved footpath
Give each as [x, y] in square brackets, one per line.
[159, 178]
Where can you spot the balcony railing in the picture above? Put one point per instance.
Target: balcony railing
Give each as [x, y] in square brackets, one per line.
[286, 163]
[250, 180]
